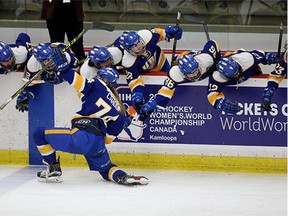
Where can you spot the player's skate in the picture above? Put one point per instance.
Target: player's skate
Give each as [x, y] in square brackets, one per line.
[52, 173]
[131, 180]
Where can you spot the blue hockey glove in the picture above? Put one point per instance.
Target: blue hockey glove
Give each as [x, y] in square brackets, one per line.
[137, 101]
[267, 97]
[59, 59]
[271, 58]
[147, 109]
[173, 32]
[22, 100]
[128, 120]
[228, 106]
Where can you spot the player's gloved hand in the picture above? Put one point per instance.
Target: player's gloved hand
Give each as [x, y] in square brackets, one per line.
[137, 101]
[22, 100]
[60, 60]
[271, 58]
[147, 109]
[173, 32]
[53, 78]
[228, 106]
[267, 97]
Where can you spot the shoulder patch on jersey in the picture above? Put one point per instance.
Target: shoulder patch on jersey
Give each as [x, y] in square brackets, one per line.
[217, 76]
[145, 34]
[116, 54]
[33, 65]
[128, 60]
[176, 75]
[87, 71]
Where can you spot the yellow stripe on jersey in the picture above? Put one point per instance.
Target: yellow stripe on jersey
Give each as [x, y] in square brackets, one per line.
[112, 170]
[137, 82]
[61, 131]
[166, 92]
[213, 96]
[162, 34]
[160, 63]
[46, 149]
[80, 95]
[274, 78]
[78, 82]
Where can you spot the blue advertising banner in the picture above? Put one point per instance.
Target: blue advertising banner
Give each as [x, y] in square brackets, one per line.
[190, 119]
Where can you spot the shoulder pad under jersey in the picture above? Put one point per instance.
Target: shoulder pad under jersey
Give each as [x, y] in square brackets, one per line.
[176, 75]
[128, 60]
[33, 65]
[244, 59]
[20, 54]
[145, 34]
[218, 77]
[116, 54]
[87, 71]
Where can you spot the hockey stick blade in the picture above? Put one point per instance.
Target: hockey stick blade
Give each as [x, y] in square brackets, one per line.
[194, 19]
[103, 26]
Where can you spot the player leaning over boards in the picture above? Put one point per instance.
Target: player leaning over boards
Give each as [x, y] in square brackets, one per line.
[191, 66]
[274, 79]
[40, 58]
[233, 70]
[142, 54]
[101, 111]
[14, 57]
[101, 57]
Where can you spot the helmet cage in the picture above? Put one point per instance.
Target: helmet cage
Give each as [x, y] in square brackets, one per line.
[189, 68]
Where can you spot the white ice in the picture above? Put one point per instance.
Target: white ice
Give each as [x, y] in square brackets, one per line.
[170, 193]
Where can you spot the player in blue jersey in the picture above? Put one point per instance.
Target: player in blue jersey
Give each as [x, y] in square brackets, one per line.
[274, 79]
[99, 57]
[191, 66]
[100, 119]
[233, 70]
[142, 54]
[40, 58]
[13, 57]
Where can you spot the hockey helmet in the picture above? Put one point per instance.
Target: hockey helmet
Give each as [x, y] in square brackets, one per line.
[132, 43]
[99, 55]
[189, 67]
[42, 52]
[5, 52]
[228, 67]
[108, 75]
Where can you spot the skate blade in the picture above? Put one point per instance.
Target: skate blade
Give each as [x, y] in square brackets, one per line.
[142, 181]
[56, 179]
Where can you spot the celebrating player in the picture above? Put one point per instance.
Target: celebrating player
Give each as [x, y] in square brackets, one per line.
[142, 54]
[274, 79]
[13, 57]
[101, 111]
[99, 57]
[41, 58]
[232, 70]
[191, 66]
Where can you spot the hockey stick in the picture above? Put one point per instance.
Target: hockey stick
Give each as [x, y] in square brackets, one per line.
[280, 40]
[175, 41]
[199, 21]
[98, 25]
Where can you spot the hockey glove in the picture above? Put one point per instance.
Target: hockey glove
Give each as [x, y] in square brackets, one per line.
[53, 78]
[228, 106]
[60, 60]
[128, 120]
[271, 58]
[22, 100]
[147, 109]
[137, 101]
[173, 32]
[267, 97]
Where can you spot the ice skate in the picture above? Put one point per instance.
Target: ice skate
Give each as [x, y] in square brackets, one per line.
[131, 180]
[52, 174]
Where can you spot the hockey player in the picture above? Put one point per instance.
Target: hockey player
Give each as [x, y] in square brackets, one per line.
[41, 58]
[142, 54]
[101, 111]
[233, 70]
[13, 57]
[274, 79]
[191, 66]
[99, 57]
